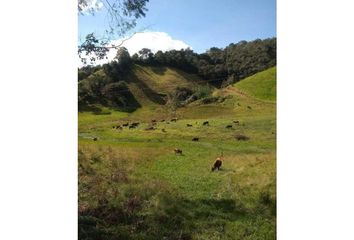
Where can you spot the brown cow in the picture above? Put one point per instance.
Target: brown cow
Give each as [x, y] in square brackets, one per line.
[178, 151]
[217, 164]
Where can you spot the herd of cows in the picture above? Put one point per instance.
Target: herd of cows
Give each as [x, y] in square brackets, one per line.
[218, 162]
[154, 123]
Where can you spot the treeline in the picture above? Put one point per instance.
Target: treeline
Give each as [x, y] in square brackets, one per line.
[106, 84]
[228, 65]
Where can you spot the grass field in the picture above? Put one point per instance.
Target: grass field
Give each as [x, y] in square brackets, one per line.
[133, 186]
[265, 83]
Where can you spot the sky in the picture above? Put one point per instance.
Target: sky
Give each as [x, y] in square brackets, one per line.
[198, 24]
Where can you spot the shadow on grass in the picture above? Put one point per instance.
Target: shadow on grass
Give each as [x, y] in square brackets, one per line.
[148, 92]
[166, 218]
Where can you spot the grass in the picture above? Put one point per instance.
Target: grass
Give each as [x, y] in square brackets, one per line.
[261, 85]
[133, 186]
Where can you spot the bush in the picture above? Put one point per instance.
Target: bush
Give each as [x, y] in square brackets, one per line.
[209, 100]
[203, 91]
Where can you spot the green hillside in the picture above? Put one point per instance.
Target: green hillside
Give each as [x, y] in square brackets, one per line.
[149, 84]
[261, 85]
[133, 186]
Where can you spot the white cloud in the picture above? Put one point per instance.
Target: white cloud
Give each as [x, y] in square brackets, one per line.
[155, 41]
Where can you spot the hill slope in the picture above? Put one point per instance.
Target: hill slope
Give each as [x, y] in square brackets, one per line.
[261, 85]
[140, 189]
[150, 85]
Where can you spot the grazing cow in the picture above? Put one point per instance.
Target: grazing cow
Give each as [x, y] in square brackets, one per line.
[237, 122]
[206, 123]
[120, 128]
[240, 137]
[95, 139]
[125, 124]
[174, 120]
[217, 164]
[178, 151]
[189, 125]
[229, 126]
[132, 126]
[195, 139]
[135, 124]
[114, 127]
[153, 120]
[162, 120]
[249, 107]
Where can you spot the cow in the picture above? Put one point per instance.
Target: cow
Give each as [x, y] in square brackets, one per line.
[132, 126]
[189, 125]
[195, 139]
[135, 124]
[162, 120]
[240, 137]
[178, 151]
[228, 126]
[237, 122]
[150, 128]
[163, 130]
[217, 164]
[206, 123]
[95, 139]
[174, 120]
[249, 107]
[153, 120]
[125, 124]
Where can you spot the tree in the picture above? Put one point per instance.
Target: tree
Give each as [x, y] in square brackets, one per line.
[123, 57]
[145, 53]
[122, 16]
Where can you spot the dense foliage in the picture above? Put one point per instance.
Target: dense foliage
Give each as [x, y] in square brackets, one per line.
[230, 64]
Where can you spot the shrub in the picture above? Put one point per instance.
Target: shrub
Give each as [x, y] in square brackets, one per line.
[203, 91]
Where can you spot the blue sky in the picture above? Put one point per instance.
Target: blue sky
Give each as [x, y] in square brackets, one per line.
[202, 24]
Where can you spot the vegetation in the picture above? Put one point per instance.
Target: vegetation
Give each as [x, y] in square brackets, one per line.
[108, 84]
[133, 186]
[261, 85]
[227, 65]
